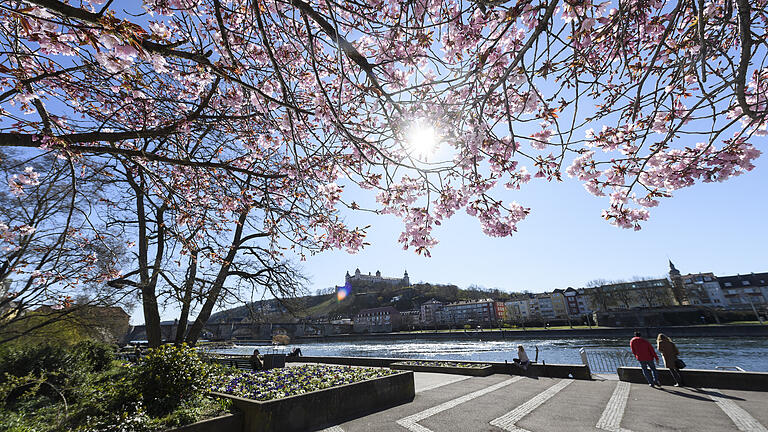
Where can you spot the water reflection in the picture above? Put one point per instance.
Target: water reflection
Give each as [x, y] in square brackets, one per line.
[698, 353]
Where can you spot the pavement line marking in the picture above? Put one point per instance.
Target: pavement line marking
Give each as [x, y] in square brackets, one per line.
[451, 381]
[411, 422]
[333, 429]
[742, 419]
[508, 420]
[614, 410]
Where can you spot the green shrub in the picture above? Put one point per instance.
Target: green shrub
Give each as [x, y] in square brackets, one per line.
[93, 356]
[170, 374]
[166, 389]
[36, 359]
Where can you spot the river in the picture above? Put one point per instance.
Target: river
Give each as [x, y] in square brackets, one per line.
[699, 353]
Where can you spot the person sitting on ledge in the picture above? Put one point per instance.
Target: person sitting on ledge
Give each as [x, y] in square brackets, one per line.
[257, 363]
[295, 353]
[522, 359]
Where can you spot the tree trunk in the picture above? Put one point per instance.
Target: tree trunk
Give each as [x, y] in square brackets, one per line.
[187, 300]
[218, 284]
[147, 284]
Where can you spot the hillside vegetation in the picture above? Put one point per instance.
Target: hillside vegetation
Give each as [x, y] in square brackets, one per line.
[361, 297]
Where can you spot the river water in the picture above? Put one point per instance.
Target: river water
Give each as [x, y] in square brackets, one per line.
[699, 353]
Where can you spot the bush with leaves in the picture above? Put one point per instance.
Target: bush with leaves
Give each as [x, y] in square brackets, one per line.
[51, 361]
[81, 389]
[93, 356]
[168, 375]
[34, 359]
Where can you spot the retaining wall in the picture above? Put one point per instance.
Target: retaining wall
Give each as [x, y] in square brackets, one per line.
[732, 380]
[314, 410]
[535, 369]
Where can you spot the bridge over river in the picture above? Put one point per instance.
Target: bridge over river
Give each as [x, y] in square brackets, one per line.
[244, 331]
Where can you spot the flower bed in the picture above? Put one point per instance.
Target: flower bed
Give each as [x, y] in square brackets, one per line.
[449, 367]
[292, 381]
[450, 364]
[312, 396]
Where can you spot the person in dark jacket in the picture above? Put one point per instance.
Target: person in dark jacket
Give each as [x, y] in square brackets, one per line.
[257, 362]
[645, 354]
[669, 353]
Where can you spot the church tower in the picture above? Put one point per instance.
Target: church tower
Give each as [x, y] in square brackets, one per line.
[678, 288]
[406, 281]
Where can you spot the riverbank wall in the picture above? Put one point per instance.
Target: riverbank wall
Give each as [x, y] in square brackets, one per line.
[580, 372]
[754, 330]
[703, 378]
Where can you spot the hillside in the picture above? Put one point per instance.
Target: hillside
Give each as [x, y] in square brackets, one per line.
[362, 297]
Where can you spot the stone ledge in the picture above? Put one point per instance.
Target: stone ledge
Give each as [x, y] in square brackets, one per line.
[324, 407]
[731, 380]
[580, 372]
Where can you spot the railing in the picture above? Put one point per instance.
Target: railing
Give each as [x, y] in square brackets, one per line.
[606, 360]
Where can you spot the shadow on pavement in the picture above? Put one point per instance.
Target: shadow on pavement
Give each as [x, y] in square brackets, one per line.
[685, 395]
[715, 393]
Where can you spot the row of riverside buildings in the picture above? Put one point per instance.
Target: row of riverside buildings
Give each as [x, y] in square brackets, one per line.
[700, 291]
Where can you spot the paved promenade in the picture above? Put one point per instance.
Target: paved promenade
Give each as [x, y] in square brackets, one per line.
[520, 404]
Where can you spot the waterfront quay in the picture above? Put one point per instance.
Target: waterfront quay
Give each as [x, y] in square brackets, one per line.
[502, 402]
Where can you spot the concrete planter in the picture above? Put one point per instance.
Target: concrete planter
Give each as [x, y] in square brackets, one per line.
[471, 371]
[324, 407]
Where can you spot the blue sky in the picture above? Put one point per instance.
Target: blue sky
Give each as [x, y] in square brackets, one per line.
[717, 227]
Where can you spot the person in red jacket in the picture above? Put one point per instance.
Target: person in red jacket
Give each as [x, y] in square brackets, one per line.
[646, 355]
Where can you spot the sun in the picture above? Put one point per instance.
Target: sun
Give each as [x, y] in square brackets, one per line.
[422, 139]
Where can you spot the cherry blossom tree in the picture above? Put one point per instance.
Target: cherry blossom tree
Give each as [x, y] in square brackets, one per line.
[435, 106]
[635, 99]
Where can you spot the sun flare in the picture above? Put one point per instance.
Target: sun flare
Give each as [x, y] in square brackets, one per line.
[423, 139]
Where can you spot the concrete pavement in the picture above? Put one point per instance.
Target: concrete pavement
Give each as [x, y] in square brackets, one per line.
[514, 403]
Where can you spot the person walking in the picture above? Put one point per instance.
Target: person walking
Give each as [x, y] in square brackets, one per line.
[669, 353]
[645, 354]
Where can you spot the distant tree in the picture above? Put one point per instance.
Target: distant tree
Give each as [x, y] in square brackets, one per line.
[599, 297]
[55, 247]
[651, 294]
[623, 293]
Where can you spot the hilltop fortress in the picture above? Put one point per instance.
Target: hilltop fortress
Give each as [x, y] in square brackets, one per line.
[369, 279]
